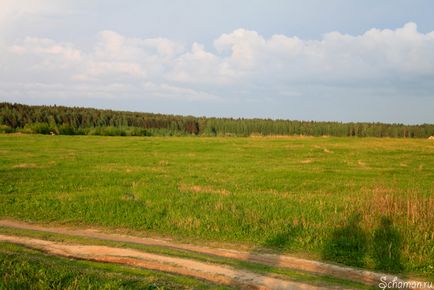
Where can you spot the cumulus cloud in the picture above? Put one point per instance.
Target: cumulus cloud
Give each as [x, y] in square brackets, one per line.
[403, 52]
[241, 64]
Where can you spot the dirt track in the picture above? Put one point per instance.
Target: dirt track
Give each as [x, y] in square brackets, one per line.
[212, 272]
[284, 261]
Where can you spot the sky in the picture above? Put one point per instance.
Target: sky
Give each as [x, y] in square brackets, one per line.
[334, 60]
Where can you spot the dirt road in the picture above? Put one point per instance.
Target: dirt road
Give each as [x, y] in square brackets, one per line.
[212, 272]
[217, 273]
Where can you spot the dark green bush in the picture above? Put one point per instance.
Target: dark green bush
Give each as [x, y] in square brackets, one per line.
[37, 128]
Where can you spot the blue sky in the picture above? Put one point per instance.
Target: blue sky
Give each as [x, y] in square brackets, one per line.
[311, 60]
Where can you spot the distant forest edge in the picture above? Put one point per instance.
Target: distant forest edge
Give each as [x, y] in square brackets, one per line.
[89, 121]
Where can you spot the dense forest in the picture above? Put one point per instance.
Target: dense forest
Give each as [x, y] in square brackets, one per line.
[88, 121]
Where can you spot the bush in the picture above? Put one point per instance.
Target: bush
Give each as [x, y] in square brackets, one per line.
[134, 131]
[107, 131]
[6, 129]
[37, 128]
[66, 130]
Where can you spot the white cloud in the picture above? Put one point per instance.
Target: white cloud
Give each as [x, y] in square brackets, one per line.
[22, 13]
[241, 61]
[245, 46]
[46, 48]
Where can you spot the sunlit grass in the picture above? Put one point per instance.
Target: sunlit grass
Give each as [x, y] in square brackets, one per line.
[290, 194]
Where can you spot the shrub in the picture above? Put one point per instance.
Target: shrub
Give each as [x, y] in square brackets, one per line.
[66, 130]
[6, 129]
[37, 128]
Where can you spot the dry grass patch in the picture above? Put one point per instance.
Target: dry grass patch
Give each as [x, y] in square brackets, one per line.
[202, 189]
[48, 164]
[26, 165]
[113, 167]
[64, 196]
[158, 169]
[361, 163]
[187, 223]
[416, 209]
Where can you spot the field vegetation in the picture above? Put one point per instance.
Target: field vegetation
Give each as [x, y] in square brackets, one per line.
[364, 202]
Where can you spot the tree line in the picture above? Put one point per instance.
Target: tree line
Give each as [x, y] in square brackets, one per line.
[89, 121]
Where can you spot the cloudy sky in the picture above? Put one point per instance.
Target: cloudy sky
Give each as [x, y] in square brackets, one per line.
[343, 60]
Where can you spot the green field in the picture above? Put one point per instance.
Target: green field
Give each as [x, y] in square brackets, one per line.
[359, 201]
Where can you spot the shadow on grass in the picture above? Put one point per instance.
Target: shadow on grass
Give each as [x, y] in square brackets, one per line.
[284, 239]
[387, 247]
[348, 244]
[278, 243]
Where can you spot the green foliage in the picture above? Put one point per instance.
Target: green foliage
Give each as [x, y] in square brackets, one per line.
[66, 129]
[108, 131]
[37, 128]
[6, 129]
[78, 121]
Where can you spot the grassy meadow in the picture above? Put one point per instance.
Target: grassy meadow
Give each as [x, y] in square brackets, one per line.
[365, 202]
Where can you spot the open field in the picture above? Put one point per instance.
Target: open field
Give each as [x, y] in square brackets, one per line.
[361, 202]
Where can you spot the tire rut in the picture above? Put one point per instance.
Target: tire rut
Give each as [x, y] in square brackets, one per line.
[284, 261]
[220, 274]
